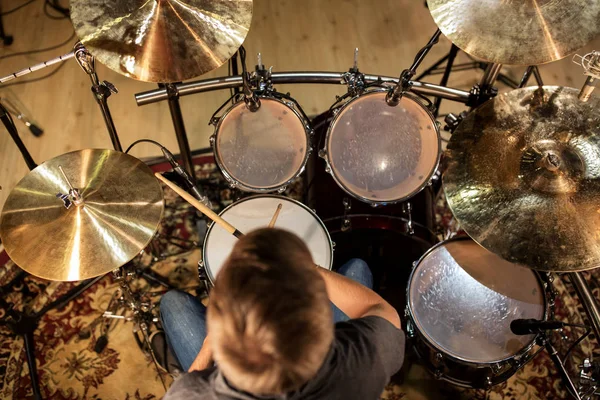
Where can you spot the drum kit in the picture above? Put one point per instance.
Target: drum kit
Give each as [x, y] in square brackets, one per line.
[521, 174]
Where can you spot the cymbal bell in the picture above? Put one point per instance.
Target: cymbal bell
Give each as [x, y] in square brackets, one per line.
[523, 178]
[112, 215]
[527, 32]
[162, 40]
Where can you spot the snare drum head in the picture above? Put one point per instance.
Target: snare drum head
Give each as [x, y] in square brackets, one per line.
[261, 150]
[380, 153]
[462, 298]
[256, 212]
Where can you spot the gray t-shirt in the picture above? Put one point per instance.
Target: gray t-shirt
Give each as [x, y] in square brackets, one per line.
[365, 353]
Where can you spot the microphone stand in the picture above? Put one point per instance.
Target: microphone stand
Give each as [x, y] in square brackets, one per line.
[543, 340]
[101, 90]
[12, 130]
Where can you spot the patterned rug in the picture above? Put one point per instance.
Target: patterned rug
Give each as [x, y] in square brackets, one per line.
[71, 365]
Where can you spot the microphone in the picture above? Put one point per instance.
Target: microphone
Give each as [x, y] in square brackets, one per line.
[591, 67]
[183, 173]
[533, 326]
[250, 98]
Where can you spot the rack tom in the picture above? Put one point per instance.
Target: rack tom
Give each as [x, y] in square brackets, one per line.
[264, 150]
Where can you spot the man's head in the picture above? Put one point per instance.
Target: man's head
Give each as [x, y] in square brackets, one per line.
[269, 318]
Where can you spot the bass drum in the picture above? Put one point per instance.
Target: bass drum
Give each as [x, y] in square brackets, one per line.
[461, 301]
[389, 238]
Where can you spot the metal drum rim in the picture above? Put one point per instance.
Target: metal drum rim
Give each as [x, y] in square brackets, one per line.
[426, 182]
[236, 183]
[431, 343]
[257, 196]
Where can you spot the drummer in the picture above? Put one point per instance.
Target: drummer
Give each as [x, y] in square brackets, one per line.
[269, 328]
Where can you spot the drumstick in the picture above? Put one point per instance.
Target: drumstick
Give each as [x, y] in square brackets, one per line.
[274, 219]
[200, 207]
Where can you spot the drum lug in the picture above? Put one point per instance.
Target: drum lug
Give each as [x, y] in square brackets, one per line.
[322, 153]
[488, 382]
[407, 209]
[496, 368]
[212, 140]
[346, 225]
[282, 189]
[439, 359]
[336, 111]
[328, 169]
[333, 246]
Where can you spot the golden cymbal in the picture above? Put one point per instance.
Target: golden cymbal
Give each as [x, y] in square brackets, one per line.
[526, 32]
[523, 178]
[162, 40]
[116, 214]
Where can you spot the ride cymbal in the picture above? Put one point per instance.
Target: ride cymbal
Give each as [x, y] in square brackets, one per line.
[523, 178]
[162, 40]
[526, 32]
[115, 217]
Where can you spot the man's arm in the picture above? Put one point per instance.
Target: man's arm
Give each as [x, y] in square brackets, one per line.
[356, 300]
[204, 358]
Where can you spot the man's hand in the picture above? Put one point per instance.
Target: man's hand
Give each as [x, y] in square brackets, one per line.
[204, 358]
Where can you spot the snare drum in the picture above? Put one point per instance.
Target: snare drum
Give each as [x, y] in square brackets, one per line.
[382, 154]
[461, 300]
[265, 150]
[256, 212]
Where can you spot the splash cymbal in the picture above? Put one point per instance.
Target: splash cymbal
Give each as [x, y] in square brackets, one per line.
[523, 178]
[112, 217]
[162, 40]
[527, 32]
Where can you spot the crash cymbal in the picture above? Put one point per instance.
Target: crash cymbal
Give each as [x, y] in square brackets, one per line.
[523, 178]
[162, 40]
[115, 217]
[526, 32]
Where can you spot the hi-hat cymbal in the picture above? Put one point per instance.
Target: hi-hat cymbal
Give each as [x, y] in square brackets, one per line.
[523, 178]
[523, 32]
[162, 40]
[120, 209]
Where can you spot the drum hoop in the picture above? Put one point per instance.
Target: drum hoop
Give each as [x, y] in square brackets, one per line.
[545, 286]
[236, 183]
[205, 260]
[325, 153]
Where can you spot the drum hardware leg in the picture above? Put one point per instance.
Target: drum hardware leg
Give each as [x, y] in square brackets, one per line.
[536, 73]
[14, 134]
[445, 77]
[203, 276]
[101, 90]
[25, 324]
[544, 341]
[589, 303]
[407, 210]
[179, 126]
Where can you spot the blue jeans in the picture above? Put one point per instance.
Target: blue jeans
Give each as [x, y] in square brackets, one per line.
[184, 317]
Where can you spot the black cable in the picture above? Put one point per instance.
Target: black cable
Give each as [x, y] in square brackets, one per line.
[16, 8]
[22, 53]
[33, 80]
[588, 330]
[144, 140]
[54, 5]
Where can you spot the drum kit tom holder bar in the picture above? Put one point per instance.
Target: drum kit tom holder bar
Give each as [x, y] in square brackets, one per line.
[510, 201]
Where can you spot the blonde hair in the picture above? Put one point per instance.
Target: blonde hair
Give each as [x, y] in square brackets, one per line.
[269, 318]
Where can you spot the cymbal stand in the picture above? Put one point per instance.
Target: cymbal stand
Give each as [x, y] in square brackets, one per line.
[177, 117]
[101, 90]
[589, 303]
[24, 323]
[544, 340]
[142, 317]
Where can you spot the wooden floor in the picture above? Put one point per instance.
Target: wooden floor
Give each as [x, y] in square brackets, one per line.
[292, 35]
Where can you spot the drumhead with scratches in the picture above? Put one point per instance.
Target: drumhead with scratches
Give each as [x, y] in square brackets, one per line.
[262, 150]
[256, 212]
[380, 153]
[462, 299]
